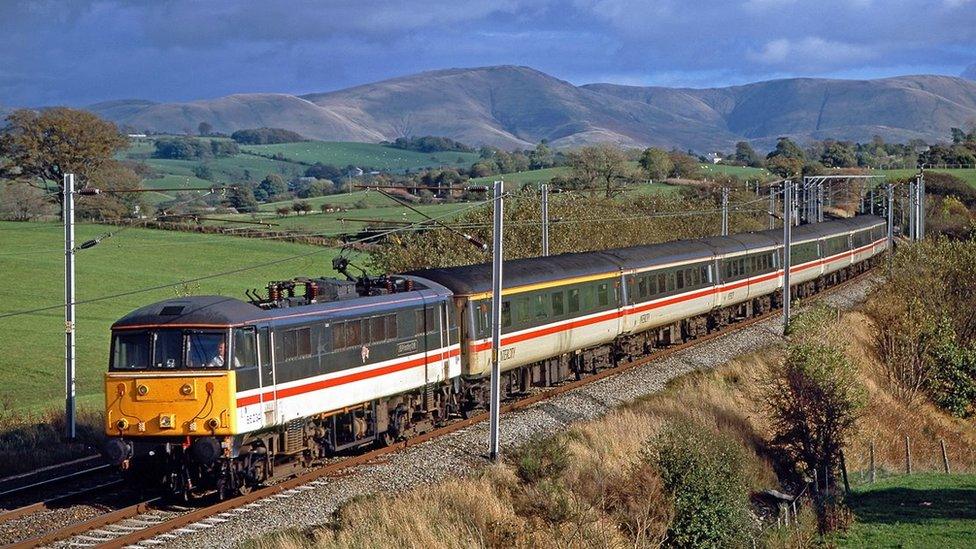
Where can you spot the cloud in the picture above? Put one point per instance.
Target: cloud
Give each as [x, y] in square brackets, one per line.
[83, 51]
[811, 52]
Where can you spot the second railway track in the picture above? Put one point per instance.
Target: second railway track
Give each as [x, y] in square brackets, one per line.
[147, 523]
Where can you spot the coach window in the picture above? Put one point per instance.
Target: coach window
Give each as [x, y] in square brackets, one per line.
[670, 282]
[679, 279]
[695, 277]
[662, 285]
[506, 314]
[557, 304]
[574, 300]
[245, 349]
[522, 310]
[539, 311]
[642, 286]
[603, 294]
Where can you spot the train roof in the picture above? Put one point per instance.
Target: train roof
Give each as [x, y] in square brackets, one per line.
[475, 279]
[214, 311]
[199, 311]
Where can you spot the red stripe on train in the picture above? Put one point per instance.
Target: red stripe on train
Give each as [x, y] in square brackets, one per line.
[341, 380]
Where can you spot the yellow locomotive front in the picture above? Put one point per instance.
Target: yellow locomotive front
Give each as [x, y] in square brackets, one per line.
[173, 397]
[170, 394]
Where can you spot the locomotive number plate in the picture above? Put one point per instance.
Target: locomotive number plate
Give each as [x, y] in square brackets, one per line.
[507, 354]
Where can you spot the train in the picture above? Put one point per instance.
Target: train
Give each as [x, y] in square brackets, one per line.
[211, 394]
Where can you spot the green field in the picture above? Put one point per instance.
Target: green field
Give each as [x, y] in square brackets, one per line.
[378, 207]
[922, 510]
[742, 172]
[363, 155]
[967, 175]
[31, 260]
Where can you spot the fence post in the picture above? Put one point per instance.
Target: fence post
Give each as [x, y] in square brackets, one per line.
[945, 456]
[908, 455]
[871, 468]
[843, 471]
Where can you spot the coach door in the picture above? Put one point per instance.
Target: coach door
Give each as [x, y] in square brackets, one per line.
[267, 381]
[444, 337]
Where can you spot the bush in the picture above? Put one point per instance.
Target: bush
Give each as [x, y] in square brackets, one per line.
[543, 457]
[952, 385]
[702, 472]
[813, 398]
[266, 136]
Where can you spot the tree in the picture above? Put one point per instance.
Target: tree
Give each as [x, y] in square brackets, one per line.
[204, 128]
[22, 202]
[599, 165]
[813, 396]
[272, 185]
[685, 166]
[541, 157]
[324, 171]
[113, 176]
[43, 146]
[241, 198]
[656, 163]
[838, 155]
[785, 147]
[301, 207]
[784, 166]
[746, 155]
[203, 171]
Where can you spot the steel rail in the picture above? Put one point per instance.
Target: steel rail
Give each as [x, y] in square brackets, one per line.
[54, 480]
[88, 525]
[57, 500]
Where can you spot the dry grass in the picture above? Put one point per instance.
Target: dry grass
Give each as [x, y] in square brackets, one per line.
[608, 496]
[888, 420]
[32, 440]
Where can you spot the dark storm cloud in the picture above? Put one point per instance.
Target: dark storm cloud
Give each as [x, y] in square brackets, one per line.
[78, 52]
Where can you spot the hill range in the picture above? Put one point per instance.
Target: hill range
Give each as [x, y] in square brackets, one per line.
[516, 107]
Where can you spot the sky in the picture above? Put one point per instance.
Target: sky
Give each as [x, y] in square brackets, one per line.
[78, 52]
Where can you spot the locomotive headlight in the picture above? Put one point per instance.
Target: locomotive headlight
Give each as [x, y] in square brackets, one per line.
[142, 390]
[186, 389]
[213, 423]
[167, 421]
[122, 424]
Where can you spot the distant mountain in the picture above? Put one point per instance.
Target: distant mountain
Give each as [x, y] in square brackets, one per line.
[510, 107]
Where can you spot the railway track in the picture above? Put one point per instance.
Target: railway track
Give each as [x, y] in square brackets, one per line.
[149, 523]
[50, 476]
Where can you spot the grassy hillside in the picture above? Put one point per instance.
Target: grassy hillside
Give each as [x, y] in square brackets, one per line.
[365, 155]
[31, 364]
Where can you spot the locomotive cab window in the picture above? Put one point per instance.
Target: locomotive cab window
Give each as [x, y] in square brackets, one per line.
[205, 350]
[245, 348]
[130, 351]
[168, 350]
